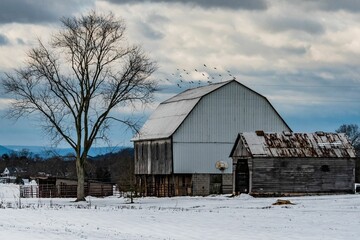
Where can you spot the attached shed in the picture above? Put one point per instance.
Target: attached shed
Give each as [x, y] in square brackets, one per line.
[183, 148]
[286, 163]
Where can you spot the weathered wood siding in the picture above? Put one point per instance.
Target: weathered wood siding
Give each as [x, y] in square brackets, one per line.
[357, 170]
[153, 157]
[240, 150]
[301, 175]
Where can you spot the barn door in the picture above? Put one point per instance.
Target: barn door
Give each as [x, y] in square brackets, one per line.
[242, 176]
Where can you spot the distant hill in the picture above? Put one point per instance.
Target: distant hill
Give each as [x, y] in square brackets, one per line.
[47, 152]
[5, 150]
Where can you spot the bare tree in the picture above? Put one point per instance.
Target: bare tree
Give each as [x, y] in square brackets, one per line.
[352, 132]
[75, 82]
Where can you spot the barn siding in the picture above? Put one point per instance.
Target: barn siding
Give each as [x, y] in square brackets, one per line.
[301, 175]
[153, 157]
[209, 132]
[201, 157]
[201, 184]
[357, 170]
[227, 182]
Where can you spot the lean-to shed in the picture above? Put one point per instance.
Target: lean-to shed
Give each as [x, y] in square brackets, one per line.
[288, 163]
[183, 148]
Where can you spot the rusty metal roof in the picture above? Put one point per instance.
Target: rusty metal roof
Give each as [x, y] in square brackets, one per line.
[288, 144]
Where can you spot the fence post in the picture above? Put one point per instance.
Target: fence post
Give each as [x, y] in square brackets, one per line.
[51, 203]
[20, 188]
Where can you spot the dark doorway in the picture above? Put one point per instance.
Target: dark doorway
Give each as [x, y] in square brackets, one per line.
[215, 183]
[242, 176]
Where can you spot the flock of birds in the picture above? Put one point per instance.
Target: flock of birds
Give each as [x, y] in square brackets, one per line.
[183, 79]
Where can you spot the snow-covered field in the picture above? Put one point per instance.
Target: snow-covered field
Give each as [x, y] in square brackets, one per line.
[213, 217]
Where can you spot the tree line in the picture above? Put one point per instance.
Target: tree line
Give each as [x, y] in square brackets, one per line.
[115, 167]
[353, 134]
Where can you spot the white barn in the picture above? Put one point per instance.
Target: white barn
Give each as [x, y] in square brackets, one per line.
[184, 147]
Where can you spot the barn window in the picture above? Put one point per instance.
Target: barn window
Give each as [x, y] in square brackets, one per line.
[325, 168]
[215, 183]
[284, 164]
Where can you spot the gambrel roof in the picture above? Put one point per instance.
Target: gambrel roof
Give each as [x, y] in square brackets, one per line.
[288, 144]
[170, 114]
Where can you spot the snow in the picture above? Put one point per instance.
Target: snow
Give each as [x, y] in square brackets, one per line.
[9, 191]
[212, 217]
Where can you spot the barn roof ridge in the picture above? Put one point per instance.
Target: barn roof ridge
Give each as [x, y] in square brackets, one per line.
[197, 92]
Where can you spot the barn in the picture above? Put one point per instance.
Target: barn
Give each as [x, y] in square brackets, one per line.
[286, 163]
[183, 148]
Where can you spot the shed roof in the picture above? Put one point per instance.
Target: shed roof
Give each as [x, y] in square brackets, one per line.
[288, 144]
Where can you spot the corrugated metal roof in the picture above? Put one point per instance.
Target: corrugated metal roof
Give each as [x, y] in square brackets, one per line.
[166, 119]
[196, 92]
[171, 113]
[319, 144]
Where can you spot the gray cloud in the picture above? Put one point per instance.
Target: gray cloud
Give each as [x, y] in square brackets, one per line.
[3, 40]
[157, 19]
[38, 11]
[149, 27]
[297, 24]
[251, 47]
[20, 41]
[228, 4]
[335, 5]
[294, 50]
[150, 32]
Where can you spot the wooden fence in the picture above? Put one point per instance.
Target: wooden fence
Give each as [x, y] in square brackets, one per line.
[65, 190]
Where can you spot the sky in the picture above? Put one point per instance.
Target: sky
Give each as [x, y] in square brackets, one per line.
[304, 56]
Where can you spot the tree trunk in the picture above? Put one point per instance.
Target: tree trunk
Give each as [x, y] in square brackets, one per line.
[81, 179]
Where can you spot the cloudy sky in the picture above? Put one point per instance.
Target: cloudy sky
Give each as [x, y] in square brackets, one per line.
[304, 56]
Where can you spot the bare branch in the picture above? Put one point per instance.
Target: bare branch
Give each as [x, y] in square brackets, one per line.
[74, 83]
